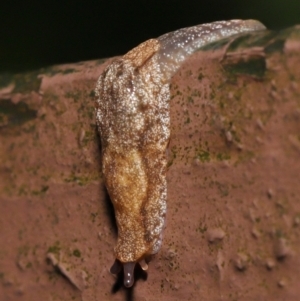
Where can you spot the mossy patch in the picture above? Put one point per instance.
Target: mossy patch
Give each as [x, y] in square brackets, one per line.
[254, 67]
[55, 248]
[27, 82]
[15, 114]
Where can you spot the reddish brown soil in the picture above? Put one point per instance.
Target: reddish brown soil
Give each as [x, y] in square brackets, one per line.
[233, 221]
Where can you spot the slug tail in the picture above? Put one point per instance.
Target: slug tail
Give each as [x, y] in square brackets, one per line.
[176, 46]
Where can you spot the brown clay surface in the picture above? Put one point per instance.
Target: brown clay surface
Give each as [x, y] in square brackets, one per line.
[233, 221]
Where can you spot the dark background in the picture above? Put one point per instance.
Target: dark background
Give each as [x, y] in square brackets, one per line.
[39, 33]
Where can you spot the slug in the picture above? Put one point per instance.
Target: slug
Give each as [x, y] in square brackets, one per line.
[132, 114]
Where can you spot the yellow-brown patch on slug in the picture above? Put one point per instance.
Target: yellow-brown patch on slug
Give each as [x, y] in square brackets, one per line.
[140, 54]
[134, 126]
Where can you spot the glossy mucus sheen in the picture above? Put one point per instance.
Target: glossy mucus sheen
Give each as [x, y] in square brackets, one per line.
[134, 122]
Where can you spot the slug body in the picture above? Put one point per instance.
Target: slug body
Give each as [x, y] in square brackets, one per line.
[134, 122]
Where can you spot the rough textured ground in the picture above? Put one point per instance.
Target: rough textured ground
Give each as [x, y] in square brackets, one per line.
[233, 221]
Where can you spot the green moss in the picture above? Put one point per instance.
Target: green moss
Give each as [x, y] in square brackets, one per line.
[15, 114]
[188, 120]
[88, 137]
[203, 156]
[93, 216]
[75, 95]
[276, 46]
[255, 67]
[81, 180]
[101, 61]
[245, 156]
[41, 191]
[68, 71]
[90, 112]
[55, 249]
[24, 82]
[173, 156]
[223, 157]
[202, 228]
[264, 284]
[28, 265]
[53, 70]
[76, 253]
[200, 76]
[23, 190]
[190, 99]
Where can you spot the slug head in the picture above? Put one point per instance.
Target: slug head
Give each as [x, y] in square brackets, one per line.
[128, 268]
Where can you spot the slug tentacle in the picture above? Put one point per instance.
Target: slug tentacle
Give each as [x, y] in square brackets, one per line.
[133, 118]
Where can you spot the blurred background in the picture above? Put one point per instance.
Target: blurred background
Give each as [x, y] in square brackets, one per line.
[37, 33]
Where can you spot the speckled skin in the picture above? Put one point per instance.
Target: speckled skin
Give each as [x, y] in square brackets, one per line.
[134, 123]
